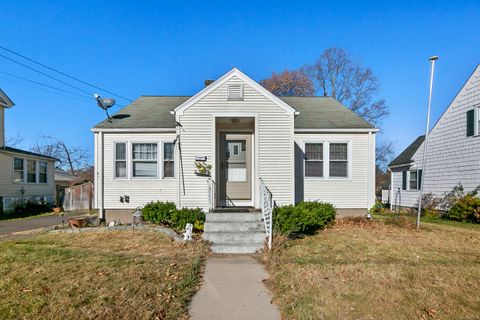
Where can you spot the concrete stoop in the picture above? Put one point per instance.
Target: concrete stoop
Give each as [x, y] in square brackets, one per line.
[235, 232]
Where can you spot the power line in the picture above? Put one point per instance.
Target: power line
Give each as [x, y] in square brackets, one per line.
[44, 74]
[42, 89]
[62, 73]
[44, 85]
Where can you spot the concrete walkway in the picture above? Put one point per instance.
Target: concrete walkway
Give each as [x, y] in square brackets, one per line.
[233, 290]
[9, 228]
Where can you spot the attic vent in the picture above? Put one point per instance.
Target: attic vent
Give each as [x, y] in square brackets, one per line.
[235, 92]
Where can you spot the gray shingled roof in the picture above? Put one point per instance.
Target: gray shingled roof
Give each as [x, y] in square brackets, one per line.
[324, 113]
[27, 153]
[315, 113]
[406, 156]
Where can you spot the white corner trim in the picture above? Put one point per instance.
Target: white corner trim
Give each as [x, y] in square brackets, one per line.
[136, 130]
[363, 130]
[232, 73]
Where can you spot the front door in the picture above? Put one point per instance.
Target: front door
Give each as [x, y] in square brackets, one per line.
[235, 169]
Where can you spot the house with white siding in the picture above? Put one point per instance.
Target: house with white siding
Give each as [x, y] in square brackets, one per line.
[24, 175]
[453, 153]
[215, 150]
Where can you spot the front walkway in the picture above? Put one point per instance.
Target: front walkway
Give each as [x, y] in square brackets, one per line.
[233, 290]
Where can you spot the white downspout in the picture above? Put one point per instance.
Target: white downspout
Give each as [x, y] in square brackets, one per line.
[102, 179]
[369, 169]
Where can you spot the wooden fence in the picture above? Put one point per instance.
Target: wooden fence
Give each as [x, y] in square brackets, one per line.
[78, 197]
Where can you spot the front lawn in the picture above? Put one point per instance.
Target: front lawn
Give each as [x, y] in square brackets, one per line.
[380, 270]
[110, 275]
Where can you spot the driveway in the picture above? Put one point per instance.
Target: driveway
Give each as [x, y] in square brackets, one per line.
[9, 228]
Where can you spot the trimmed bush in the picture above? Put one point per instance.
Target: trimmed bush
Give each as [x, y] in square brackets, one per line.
[303, 218]
[466, 208]
[167, 214]
[158, 212]
[22, 209]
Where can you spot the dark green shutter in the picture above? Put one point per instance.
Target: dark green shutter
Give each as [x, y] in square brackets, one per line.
[404, 180]
[470, 122]
[419, 178]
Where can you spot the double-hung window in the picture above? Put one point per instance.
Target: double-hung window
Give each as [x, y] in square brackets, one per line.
[144, 160]
[338, 160]
[413, 180]
[42, 171]
[314, 160]
[120, 160]
[168, 160]
[31, 171]
[19, 170]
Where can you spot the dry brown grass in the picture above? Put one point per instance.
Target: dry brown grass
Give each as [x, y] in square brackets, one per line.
[112, 275]
[379, 270]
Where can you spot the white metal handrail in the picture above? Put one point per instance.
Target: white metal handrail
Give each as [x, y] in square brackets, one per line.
[267, 204]
[211, 194]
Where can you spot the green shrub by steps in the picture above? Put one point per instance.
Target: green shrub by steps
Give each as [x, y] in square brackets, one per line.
[158, 212]
[303, 218]
[467, 208]
[180, 218]
[167, 214]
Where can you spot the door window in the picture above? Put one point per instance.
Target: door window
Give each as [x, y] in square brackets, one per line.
[236, 161]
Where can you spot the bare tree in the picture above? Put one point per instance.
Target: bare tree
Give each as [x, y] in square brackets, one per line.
[13, 141]
[289, 83]
[72, 158]
[339, 75]
[384, 153]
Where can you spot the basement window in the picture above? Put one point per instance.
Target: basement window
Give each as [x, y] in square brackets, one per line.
[235, 92]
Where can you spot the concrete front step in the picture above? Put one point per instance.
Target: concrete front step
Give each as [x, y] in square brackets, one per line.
[234, 226]
[233, 217]
[236, 248]
[235, 237]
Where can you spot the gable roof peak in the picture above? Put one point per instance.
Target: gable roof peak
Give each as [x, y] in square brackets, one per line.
[227, 76]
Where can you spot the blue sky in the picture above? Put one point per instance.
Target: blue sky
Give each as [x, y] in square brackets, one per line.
[136, 48]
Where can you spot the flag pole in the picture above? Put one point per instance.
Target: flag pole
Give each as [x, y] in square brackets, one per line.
[425, 144]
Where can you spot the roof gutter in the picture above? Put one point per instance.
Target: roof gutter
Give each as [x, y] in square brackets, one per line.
[172, 130]
[401, 165]
[366, 130]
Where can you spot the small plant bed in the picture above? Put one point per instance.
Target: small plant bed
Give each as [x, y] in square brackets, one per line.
[114, 275]
[379, 269]
[166, 214]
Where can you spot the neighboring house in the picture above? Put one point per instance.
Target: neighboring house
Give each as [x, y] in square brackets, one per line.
[23, 175]
[303, 148]
[453, 154]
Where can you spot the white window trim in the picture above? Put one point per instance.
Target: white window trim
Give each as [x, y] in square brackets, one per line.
[25, 172]
[476, 117]
[38, 172]
[326, 159]
[127, 169]
[162, 156]
[408, 180]
[131, 143]
[325, 167]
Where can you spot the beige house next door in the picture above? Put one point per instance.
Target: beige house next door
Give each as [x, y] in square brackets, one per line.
[235, 169]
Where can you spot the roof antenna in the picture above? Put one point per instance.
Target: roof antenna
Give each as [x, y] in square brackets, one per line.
[105, 104]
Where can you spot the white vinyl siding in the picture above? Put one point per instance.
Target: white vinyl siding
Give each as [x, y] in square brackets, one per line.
[272, 143]
[139, 190]
[354, 192]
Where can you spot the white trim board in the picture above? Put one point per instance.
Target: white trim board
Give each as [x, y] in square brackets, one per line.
[234, 73]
